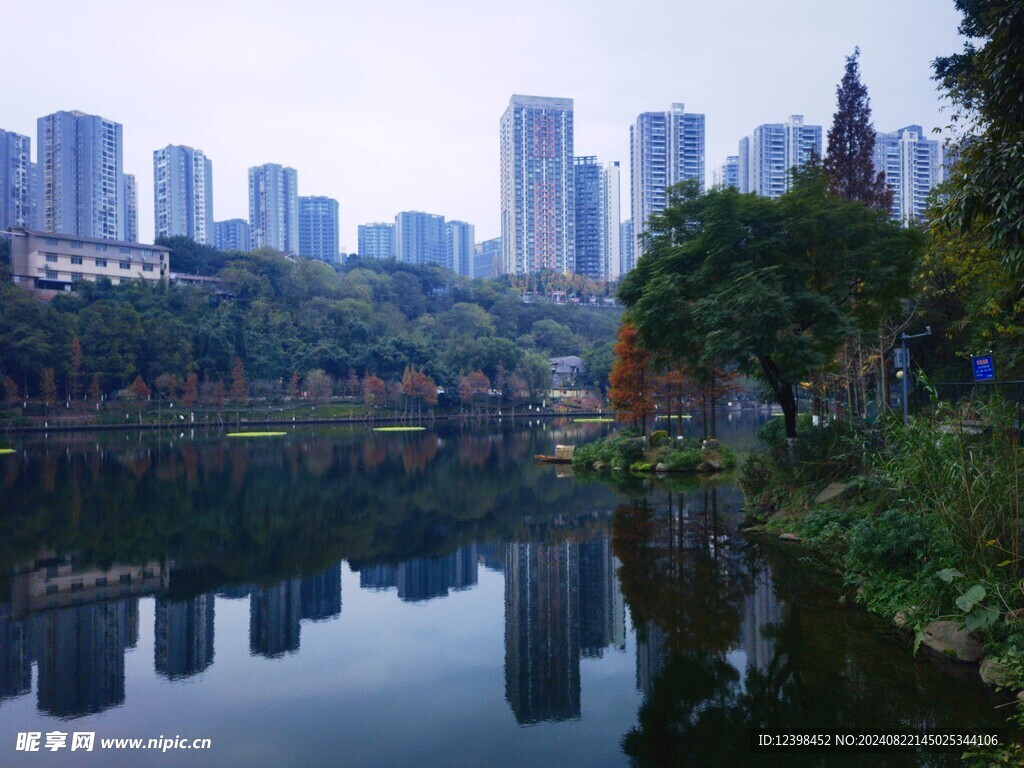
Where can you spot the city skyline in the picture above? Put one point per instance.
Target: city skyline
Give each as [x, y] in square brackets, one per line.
[353, 145]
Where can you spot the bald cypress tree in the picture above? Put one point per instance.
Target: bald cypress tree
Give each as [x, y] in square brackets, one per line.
[849, 164]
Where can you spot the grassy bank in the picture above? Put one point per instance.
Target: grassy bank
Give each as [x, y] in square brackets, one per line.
[923, 520]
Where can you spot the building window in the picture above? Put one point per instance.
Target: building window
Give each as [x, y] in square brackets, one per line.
[51, 241]
[101, 262]
[50, 275]
[122, 249]
[147, 267]
[77, 244]
[51, 258]
[125, 265]
[100, 247]
[75, 277]
[76, 259]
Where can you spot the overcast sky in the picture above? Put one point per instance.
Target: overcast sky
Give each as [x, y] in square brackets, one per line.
[390, 106]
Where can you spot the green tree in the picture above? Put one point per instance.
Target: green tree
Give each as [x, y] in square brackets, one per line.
[774, 286]
[48, 387]
[986, 84]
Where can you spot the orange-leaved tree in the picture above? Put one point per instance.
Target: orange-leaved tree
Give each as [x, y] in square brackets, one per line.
[632, 391]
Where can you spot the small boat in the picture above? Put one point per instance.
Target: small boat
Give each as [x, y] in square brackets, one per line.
[551, 459]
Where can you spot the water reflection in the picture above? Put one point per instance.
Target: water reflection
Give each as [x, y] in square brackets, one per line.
[636, 619]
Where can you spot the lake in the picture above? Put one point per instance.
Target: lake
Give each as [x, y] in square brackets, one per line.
[342, 597]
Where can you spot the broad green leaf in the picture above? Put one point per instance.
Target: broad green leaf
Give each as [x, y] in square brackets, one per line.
[970, 598]
[948, 574]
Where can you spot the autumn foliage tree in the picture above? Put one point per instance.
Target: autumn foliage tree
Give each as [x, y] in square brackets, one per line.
[474, 386]
[10, 391]
[190, 395]
[631, 390]
[375, 391]
[238, 384]
[48, 387]
[76, 368]
[420, 387]
[139, 389]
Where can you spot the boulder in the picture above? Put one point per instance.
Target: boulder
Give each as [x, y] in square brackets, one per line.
[711, 444]
[661, 467]
[950, 639]
[564, 452]
[789, 537]
[712, 465]
[995, 674]
[831, 492]
[599, 465]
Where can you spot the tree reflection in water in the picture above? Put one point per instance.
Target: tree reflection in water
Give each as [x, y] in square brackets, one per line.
[719, 652]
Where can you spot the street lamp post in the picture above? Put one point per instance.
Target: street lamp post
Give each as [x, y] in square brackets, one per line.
[904, 365]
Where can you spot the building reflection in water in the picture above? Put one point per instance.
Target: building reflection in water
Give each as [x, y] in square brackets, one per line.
[275, 611]
[183, 643]
[424, 578]
[562, 602]
[80, 653]
[15, 655]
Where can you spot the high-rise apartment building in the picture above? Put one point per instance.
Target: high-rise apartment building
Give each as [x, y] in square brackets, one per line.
[318, 228]
[274, 208]
[130, 202]
[487, 258]
[16, 180]
[666, 148]
[183, 193]
[728, 174]
[627, 260]
[588, 209]
[537, 180]
[460, 243]
[232, 235]
[377, 240]
[913, 167]
[768, 156]
[80, 171]
[611, 216]
[420, 239]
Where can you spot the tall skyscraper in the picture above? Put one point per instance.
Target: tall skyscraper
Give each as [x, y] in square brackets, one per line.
[321, 594]
[377, 240]
[913, 167]
[460, 242]
[588, 209]
[537, 180]
[728, 174]
[274, 615]
[318, 228]
[16, 181]
[627, 260]
[274, 208]
[420, 239]
[666, 148]
[767, 158]
[611, 218]
[183, 193]
[80, 161]
[232, 235]
[130, 215]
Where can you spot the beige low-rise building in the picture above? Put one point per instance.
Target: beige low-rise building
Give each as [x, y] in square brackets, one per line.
[50, 262]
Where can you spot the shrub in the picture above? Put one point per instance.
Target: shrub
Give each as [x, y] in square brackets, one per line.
[684, 461]
[894, 541]
[659, 437]
[639, 466]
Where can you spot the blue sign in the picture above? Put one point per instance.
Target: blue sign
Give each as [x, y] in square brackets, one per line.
[984, 369]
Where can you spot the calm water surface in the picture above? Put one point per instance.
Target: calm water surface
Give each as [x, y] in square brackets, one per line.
[343, 597]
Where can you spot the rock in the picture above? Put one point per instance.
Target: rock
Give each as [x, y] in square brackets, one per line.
[712, 465]
[599, 465]
[709, 445]
[789, 537]
[564, 452]
[753, 529]
[1020, 696]
[950, 639]
[900, 619]
[995, 674]
[662, 467]
[831, 492]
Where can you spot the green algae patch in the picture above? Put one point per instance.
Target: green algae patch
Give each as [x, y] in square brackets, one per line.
[6, 450]
[256, 434]
[593, 421]
[399, 429]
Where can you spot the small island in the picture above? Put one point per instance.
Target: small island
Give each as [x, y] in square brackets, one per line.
[660, 454]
